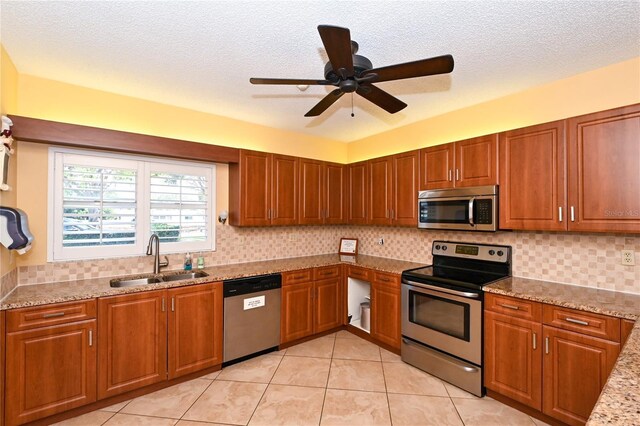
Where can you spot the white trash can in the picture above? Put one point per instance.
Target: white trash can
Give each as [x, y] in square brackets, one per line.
[365, 315]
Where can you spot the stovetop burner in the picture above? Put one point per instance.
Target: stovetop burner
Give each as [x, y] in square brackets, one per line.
[454, 275]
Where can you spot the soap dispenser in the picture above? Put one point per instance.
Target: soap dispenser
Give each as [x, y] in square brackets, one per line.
[188, 265]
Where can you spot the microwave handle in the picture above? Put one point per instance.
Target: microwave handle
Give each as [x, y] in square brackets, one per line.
[471, 201]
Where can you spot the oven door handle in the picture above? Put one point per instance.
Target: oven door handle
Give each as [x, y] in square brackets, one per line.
[466, 294]
[466, 368]
[471, 201]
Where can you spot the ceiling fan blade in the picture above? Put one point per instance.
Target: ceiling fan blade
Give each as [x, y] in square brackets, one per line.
[337, 43]
[432, 66]
[325, 103]
[288, 81]
[381, 98]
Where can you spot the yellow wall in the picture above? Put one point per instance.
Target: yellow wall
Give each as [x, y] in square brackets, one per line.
[604, 88]
[8, 101]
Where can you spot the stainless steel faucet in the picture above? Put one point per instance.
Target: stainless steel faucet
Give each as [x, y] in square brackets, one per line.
[155, 241]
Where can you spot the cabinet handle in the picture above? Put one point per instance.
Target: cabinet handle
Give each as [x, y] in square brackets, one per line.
[299, 277]
[573, 214]
[450, 175]
[163, 304]
[387, 215]
[393, 214]
[173, 304]
[53, 315]
[546, 345]
[514, 307]
[457, 175]
[268, 213]
[90, 338]
[560, 214]
[535, 341]
[576, 321]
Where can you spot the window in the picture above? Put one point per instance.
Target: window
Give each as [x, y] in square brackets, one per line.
[108, 205]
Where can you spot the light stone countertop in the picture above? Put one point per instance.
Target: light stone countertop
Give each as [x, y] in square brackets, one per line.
[42, 294]
[619, 402]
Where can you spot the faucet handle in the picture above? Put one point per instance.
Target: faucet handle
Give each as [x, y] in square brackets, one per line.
[165, 263]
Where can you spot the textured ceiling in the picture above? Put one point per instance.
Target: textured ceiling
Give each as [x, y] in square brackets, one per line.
[200, 55]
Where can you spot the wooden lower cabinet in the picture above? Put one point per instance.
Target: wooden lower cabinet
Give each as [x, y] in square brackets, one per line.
[513, 358]
[195, 328]
[328, 314]
[49, 370]
[385, 309]
[132, 342]
[296, 317]
[575, 368]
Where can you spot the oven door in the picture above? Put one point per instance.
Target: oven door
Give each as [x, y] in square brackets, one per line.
[444, 319]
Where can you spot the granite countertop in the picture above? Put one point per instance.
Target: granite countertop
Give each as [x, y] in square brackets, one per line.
[619, 402]
[42, 294]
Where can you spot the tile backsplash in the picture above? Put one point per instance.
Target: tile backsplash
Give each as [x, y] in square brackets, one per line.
[591, 260]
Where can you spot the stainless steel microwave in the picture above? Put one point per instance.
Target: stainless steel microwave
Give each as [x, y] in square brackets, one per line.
[466, 209]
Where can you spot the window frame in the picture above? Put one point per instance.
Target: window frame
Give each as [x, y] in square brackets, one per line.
[144, 166]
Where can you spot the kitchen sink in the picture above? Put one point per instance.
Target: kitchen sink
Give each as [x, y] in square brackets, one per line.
[185, 276]
[139, 281]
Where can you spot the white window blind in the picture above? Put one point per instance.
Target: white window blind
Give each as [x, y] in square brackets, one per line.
[108, 205]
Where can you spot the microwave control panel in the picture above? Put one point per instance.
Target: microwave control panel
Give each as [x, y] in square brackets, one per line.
[483, 212]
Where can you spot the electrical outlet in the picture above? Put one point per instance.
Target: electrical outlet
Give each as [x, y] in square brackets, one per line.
[628, 258]
[381, 241]
[292, 237]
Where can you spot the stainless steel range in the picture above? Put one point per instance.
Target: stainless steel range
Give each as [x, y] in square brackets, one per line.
[442, 310]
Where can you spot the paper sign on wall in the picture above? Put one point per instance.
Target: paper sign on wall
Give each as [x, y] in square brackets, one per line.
[253, 302]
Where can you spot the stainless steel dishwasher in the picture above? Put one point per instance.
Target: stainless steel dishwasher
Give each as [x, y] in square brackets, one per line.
[251, 317]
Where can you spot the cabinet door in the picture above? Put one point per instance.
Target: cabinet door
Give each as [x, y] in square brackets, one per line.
[575, 368]
[532, 178]
[132, 342]
[476, 161]
[406, 170]
[358, 193]
[250, 189]
[311, 192]
[604, 171]
[385, 312]
[296, 319]
[50, 370]
[284, 190]
[513, 358]
[436, 167]
[335, 207]
[2, 354]
[195, 328]
[380, 190]
[327, 305]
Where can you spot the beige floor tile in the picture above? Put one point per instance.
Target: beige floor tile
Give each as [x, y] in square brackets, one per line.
[345, 334]
[403, 378]
[227, 402]
[356, 375]
[389, 356]
[317, 348]
[456, 392]
[302, 371]
[192, 423]
[171, 402]
[256, 370]
[211, 376]
[94, 418]
[278, 353]
[356, 349]
[128, 420]
[116, 407]
[289, 405]
[538, 422]
[486, 411]
[346, 407]
[409, 410]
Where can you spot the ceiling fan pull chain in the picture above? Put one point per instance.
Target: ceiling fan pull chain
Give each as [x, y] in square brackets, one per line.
[352, 114]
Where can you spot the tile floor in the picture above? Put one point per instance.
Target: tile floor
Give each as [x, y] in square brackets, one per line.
[335, 380]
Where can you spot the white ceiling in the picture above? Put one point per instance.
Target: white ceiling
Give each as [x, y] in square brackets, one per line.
[200, 55]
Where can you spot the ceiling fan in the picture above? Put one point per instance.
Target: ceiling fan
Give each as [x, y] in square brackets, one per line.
[354, 73]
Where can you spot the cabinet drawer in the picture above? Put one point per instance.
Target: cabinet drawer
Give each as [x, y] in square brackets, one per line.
[56, 313]
[519, 308]
[596, 325]
[359, 273]
[390, 280]
[294, 277]
[326, 272]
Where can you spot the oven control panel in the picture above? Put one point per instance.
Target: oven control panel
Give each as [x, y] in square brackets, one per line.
[472, 251]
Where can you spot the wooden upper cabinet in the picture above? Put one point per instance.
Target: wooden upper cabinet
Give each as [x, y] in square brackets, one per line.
[132, 342]
[406, 170]
[436, 167]
[380, 190]
[471, 162]
[335, 202]
[195, 328]
[263, 190]
[311, 192]
[358, 193]
[532, 178]
[604, 171]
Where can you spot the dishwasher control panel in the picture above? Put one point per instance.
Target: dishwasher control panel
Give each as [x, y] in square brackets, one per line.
[257, 284]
